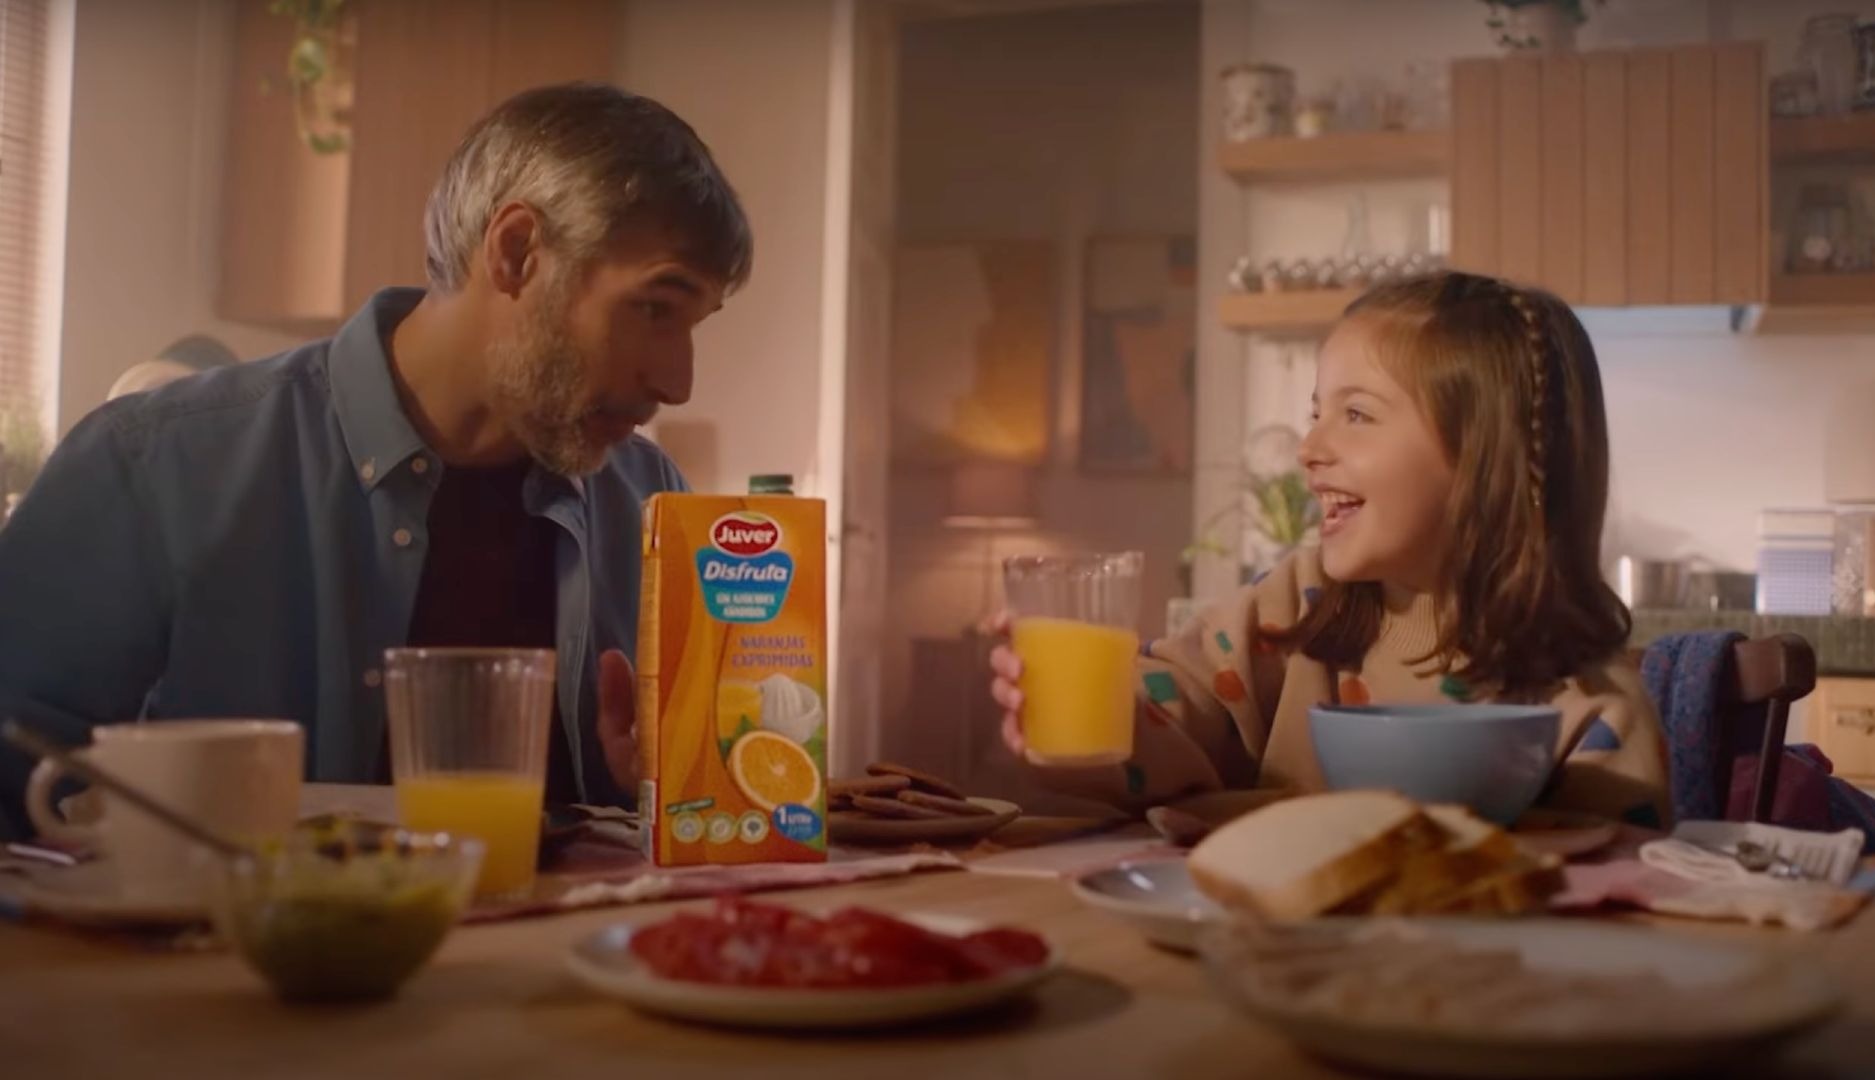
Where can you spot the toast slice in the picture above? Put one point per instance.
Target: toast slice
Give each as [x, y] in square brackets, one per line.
[1523, 886]
[1307, 855]
[1472, 849]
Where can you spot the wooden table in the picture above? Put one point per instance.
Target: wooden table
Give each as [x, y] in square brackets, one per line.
[496, 1002]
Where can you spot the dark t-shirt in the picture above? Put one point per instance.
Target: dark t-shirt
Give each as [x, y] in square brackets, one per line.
[488, 580]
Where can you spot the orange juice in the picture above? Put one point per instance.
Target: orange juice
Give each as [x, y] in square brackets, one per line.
[732, 679]
[1077, 690]
[502, 810]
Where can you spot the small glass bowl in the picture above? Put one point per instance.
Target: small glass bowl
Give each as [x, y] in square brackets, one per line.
[347, 910]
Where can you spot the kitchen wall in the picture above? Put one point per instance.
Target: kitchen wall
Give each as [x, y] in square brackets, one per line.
[149, 101]
[1054, 126]
[1707, 427]
[752, 77]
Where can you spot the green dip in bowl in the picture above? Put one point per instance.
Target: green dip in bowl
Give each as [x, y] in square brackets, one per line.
[345, 911]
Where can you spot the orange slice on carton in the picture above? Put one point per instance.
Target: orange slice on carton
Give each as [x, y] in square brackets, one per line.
[772, 769]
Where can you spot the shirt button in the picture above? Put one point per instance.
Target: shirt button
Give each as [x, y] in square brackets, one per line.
[368, 470]
[373, 678]
[401, 538]
[420, 466]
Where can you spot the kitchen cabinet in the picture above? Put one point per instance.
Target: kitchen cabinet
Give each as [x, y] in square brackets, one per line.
[307, 237]
[1633, 177]
[1839, 717]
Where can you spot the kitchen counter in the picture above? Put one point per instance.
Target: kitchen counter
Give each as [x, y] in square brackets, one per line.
[1845, 646]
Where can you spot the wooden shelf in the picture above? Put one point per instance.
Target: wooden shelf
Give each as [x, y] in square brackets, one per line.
[1815, 304]
[1309, 311]
[1827, 290]
[1347, 155]
[1824, 138]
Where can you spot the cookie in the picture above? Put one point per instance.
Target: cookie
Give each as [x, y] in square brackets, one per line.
[893, 808]
[922, 781]
[885, 786]
[948, 807]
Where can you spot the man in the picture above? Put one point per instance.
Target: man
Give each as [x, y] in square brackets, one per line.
[457, 466]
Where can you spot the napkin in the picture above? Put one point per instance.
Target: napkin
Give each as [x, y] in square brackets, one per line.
[1684, 875]
[645, 883]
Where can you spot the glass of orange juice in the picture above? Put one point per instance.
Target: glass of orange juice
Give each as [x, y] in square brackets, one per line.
[469, 751]
[1075, 628]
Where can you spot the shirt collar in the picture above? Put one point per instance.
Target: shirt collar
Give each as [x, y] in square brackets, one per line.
[377, 433]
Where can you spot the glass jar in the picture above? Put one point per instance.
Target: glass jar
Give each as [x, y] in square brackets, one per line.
[1821, 232]
[1865, 65]
[1829, 49]
[1259, 101]
[1794, 93]
[1852, 588]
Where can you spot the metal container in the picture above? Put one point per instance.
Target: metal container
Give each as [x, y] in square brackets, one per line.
[1721, 590]
[1650, 584]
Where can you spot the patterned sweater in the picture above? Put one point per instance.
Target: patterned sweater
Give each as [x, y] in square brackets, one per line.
[1226, 707]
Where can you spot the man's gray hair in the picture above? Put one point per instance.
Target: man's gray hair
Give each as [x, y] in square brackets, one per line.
[593, 161]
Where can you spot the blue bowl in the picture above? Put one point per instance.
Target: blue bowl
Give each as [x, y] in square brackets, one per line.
[1493, 758]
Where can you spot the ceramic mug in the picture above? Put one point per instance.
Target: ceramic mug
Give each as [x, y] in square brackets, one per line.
[240, 778]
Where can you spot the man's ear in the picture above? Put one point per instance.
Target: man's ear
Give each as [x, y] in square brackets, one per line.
[511, 248]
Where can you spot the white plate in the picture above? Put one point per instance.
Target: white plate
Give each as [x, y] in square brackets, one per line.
[87, 895]
[604, 961]
[1786, 1000]
[1157, 897]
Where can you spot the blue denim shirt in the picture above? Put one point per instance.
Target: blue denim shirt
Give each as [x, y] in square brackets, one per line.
[248, 542]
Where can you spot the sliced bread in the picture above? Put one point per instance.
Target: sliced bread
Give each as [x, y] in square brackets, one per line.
[1524, 885]
[1472, 848]
[1305, 856]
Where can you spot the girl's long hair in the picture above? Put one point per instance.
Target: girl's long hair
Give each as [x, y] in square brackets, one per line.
[1507, 378]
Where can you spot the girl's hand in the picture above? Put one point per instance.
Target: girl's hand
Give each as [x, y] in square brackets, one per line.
[1005, 674]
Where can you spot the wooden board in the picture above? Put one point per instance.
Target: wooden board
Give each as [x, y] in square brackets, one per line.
[1302, 312]
[1823, 289]
[1739, 173]
[496, 1001]
[1823, 138]
[1605, 179]
[1563, 230]
[1474, 166]
[1693, 243]
[1650, 198]
[1520, 169]
[1351, 155]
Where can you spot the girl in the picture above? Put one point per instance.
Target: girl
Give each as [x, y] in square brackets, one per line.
[1460, 454]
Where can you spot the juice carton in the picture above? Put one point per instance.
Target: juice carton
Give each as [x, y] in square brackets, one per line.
[732, 679]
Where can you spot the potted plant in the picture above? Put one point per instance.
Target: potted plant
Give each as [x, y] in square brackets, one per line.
[318, 71]
[1277, 511]
[22, 452]
[1548, 25]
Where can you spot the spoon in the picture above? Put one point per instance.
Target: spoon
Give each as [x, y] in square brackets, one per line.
[1755, 858]
[39, 746]
[1759, 859]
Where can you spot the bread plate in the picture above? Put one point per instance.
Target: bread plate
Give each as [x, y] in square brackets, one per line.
[1580, 999]
[1155, 897]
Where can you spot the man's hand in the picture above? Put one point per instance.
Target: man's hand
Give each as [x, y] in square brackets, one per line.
[618, 718]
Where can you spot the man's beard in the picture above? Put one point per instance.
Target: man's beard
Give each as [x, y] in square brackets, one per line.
[538, 381]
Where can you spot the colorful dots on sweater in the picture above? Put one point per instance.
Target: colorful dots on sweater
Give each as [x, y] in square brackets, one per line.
[1229, 687]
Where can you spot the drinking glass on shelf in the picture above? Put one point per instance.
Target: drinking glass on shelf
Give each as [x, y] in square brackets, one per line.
[1829, 49]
